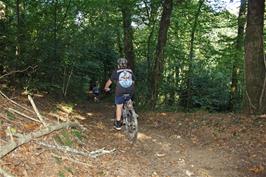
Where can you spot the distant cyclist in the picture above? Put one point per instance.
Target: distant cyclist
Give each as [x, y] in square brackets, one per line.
[95, 90]
[125, 80]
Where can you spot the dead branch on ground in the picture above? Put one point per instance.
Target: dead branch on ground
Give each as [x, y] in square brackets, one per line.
[22, 114]
[36, 110]
[93, 154]
[11, 145]
[15, 103]
[70, 159]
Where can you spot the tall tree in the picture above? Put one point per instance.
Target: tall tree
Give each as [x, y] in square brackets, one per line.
[161, 43]
[55, 29]
[255, 64]
[151, 9]
[18, 30]
[238, 57]
[128, 34]
[191, 55]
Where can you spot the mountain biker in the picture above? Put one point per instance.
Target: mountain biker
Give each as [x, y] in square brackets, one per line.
[124, 80]
[96, 91]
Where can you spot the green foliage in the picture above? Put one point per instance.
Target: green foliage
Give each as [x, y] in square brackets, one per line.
[77, 134]
[10, 115]
[75, 42]
[61, 174]
[70, 170]
[64, 138]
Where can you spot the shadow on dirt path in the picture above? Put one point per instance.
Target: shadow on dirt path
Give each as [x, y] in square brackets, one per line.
[169, 144]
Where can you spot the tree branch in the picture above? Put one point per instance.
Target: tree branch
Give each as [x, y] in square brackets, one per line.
[11, 145]
[24, 115]
[18, 71]
[93, 154]
[36, 110]
[15, 103]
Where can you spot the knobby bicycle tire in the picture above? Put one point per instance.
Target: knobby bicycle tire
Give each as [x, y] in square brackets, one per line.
[131, 126]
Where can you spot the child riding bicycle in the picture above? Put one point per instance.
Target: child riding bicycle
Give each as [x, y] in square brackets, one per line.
[124, 80]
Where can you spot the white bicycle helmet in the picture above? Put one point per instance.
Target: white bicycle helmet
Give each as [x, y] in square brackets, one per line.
[122, 63]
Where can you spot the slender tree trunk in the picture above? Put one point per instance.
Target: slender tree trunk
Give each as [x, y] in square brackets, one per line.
[238, 57]
[18, 30]
[255, 72]
[128, 36]
[68, 81]
[119, 44]
[191, 56]
[161, 43]
[151, 9]
[149, 50]
[55, 30]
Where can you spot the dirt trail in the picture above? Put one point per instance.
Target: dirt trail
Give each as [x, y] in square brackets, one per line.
[165, 147]
[169, 145]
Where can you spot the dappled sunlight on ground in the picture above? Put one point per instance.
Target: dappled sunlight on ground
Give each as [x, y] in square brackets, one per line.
[169, 144]
[143, 137]
[90, 114]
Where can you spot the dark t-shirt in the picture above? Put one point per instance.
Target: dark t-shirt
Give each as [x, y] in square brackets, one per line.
[124, 79]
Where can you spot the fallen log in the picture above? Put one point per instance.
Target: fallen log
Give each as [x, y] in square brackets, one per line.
[11, 145]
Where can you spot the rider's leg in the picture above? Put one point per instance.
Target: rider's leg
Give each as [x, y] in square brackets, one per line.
[119, 111]
[118, 122]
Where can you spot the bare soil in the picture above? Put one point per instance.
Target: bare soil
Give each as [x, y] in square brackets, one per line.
[169, 145]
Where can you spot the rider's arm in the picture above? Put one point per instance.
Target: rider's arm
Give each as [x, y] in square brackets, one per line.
[107, 84]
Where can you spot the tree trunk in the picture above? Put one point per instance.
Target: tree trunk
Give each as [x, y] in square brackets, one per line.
[159, 59]
[18, 30]
[128, 35]
[119, 44]
[237, 59]
[255, 76]
[151, 12]
[191, 56]
[55, 30]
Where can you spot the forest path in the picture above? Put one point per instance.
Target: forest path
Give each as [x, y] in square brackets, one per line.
[169, 144]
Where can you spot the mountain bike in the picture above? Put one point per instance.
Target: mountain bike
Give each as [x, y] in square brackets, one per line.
[130, 119]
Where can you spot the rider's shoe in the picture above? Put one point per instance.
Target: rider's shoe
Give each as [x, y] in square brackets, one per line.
[118, 125]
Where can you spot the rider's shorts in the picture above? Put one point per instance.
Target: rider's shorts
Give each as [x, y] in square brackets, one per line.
[122, 99]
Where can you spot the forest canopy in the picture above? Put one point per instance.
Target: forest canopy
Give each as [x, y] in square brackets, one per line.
[186, 54]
